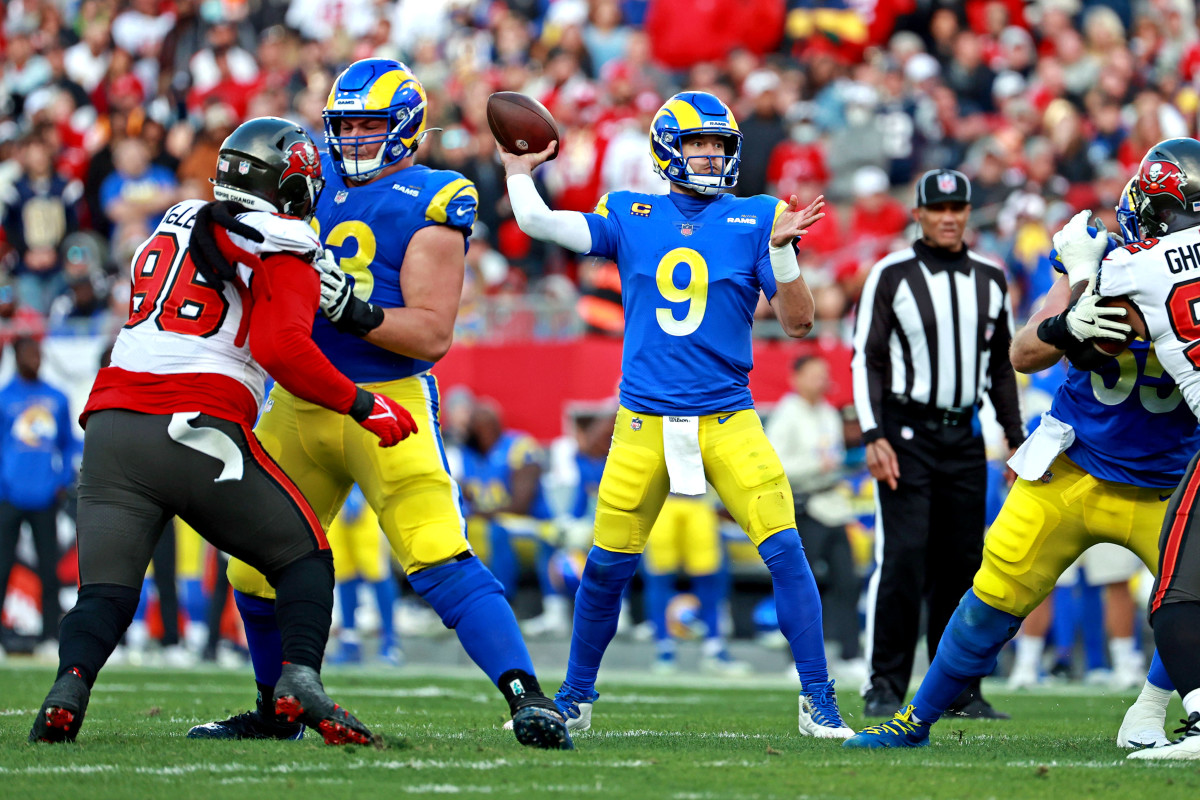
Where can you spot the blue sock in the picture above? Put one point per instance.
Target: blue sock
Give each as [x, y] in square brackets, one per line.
[1091, 617]
[471, 601]
[1158, 674]
[597, 606]
[968, 649]
[348, 600]
[385, 598]
[503, 564]
[262, 637]
[657, 591]
[710, 591]
[799, 604]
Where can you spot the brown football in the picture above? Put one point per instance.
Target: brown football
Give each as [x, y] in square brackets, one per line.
[1114, 347]
[520, 123]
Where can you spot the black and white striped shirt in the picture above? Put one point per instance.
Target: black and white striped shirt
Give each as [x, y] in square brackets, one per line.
[934, 327]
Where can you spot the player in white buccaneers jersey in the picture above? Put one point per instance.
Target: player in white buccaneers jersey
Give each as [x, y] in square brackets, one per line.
[1160, 276]
[168, 424]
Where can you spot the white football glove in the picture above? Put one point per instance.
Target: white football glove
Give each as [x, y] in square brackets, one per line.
[336, 287]
[1080, 251]
[1087, 320]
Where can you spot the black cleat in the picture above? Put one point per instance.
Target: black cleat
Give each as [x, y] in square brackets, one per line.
[538, 723]
[300, 697]
[248, 725]
[62, 712]
[971, 705]
[880, 702]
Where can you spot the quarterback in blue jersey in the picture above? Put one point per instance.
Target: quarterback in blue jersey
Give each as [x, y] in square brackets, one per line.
[1100, 468]
[395, 234]
[692, 265]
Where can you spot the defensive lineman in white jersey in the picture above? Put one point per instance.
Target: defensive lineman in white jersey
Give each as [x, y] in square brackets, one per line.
[1160, 275]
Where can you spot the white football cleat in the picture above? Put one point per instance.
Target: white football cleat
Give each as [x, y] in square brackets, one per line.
[1144, 725]
[819, 714]
[576, 708]
[1023, 677]
[1186, 748]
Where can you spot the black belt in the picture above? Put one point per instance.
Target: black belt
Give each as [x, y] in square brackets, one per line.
[932, 414]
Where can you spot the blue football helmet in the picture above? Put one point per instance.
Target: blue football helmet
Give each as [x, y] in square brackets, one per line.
[1127, 218]
[374, 87]
[693, 114]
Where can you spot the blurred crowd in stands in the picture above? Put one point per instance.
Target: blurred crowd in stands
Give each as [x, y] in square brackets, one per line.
[113, 110]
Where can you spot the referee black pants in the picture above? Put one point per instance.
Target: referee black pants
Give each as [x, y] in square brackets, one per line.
[929, 539]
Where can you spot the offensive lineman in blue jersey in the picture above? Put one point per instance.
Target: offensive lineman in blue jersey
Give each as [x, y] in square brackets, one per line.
[396, 236]
[692, 266]
[1100, 468]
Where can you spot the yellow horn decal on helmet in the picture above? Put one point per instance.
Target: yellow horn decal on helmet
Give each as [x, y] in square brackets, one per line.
[381, 94]
[685, 115]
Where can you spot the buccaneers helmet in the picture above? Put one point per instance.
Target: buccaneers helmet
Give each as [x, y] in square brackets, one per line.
[694, 114]
[270, 164]
[374, 87]
[1167, 187]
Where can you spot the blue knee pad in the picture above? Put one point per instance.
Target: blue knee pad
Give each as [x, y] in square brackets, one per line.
[471, 601]
[452, 588]
[975, 636]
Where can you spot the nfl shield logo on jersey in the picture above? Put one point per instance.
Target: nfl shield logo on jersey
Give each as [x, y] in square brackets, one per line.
[341, 196]
[686, 229]
[635, 424]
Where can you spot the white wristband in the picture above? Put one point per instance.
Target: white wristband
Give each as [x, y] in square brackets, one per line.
[783, 263]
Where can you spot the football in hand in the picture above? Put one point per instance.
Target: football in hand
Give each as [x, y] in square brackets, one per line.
[520, 123]
[1114, 347]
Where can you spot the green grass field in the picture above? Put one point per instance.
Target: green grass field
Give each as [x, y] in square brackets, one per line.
[651, 739]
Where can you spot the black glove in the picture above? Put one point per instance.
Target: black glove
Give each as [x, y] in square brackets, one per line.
[206, 253]
[1054, 331]
[349, 314]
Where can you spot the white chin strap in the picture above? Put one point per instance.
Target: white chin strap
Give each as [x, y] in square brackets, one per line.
[364, 168]
[250, 201]
[706, 184]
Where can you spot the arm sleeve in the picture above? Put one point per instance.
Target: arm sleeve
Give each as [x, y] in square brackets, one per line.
[569, 229]
[1003, 381]
[869, 365]
[281, 334]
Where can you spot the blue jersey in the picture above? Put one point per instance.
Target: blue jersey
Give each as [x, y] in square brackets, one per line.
[368, 228]
[689, 286]
[1131, 424]
[488, 477]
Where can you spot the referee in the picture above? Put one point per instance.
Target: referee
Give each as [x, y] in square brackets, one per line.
[932, 335]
